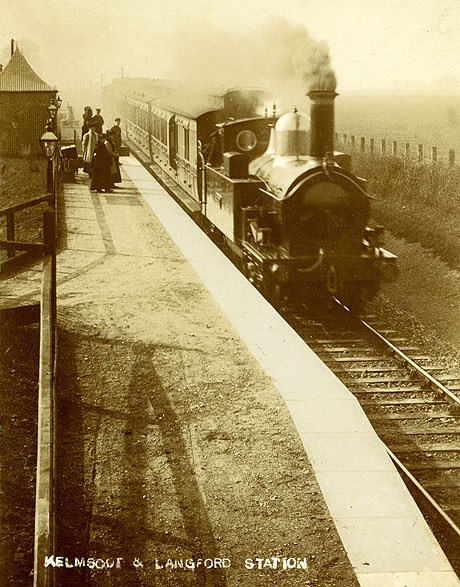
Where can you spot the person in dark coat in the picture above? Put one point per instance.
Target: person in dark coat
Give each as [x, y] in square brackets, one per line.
[87, 116]
[102, 162]
[116, 134]
[115, 166]
[98, 121]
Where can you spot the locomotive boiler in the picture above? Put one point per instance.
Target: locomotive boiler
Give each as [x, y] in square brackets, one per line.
[271, 189]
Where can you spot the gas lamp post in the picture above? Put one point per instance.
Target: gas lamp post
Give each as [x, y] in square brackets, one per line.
[53, 109]
[48, 143]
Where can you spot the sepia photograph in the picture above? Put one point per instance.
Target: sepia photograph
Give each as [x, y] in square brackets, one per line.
[230, 293]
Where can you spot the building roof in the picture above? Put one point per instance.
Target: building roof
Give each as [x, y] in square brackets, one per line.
[18, 76]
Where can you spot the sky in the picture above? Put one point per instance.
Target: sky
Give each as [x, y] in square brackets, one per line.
[371, 45]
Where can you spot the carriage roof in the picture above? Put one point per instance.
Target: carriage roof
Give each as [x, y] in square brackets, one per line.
[193, 104]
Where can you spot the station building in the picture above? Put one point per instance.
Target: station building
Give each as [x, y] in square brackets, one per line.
[24, 98]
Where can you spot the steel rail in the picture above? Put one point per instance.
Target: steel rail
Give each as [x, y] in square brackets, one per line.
[423, 491]
[451, 397]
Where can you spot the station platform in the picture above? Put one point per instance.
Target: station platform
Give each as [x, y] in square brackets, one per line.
[210, 429]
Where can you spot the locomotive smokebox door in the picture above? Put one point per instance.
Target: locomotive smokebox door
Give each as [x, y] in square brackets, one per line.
[236, 165]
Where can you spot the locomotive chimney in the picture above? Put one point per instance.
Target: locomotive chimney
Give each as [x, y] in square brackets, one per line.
[322, 122]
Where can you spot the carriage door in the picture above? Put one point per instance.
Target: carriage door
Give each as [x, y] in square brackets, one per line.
[172, 141]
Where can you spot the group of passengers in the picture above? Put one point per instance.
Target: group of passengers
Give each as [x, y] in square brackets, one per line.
[101, 151]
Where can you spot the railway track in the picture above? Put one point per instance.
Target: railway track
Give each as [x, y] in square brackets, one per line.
[410, 399]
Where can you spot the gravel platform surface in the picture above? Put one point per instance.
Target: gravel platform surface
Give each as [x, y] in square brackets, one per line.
[175, 447]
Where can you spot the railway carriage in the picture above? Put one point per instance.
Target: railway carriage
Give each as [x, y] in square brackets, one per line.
[272, 190]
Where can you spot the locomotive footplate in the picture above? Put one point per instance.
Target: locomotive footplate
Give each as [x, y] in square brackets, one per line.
[270, 253]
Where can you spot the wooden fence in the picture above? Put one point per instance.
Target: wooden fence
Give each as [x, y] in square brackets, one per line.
[390, 147]
[45, 494]
[12, 245]
[46, 484]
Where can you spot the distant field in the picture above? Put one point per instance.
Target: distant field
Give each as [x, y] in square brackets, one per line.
[433, 121]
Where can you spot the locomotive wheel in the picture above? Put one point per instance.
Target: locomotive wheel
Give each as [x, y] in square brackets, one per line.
[356, 295]
[271, 291]
[332, 280]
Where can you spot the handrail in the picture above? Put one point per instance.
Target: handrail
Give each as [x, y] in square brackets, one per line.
[14, 246]
[10, 243]
[45, 499]
[24, 205]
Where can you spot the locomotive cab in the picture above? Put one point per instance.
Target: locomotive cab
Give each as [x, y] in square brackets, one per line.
[230, 185]
[248, 137]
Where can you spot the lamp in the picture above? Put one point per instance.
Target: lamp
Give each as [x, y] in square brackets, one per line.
[52, 110]
[58, 101]
[48, 143]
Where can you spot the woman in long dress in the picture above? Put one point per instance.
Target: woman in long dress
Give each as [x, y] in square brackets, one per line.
[115, 166]
[102, 161]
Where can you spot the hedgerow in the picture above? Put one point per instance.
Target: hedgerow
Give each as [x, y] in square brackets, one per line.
[417, 201]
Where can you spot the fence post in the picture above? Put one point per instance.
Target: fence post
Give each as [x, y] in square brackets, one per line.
[49, 228]
[394, 148]
[420, 153]
[49, 177]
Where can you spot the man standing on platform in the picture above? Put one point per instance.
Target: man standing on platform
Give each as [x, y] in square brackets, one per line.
[115, 137]
[116, 134]
[98, 121]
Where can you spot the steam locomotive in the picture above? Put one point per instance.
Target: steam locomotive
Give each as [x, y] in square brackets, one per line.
[286, 206]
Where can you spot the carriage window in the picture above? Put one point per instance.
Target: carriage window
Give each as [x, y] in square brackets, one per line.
[180, 144]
